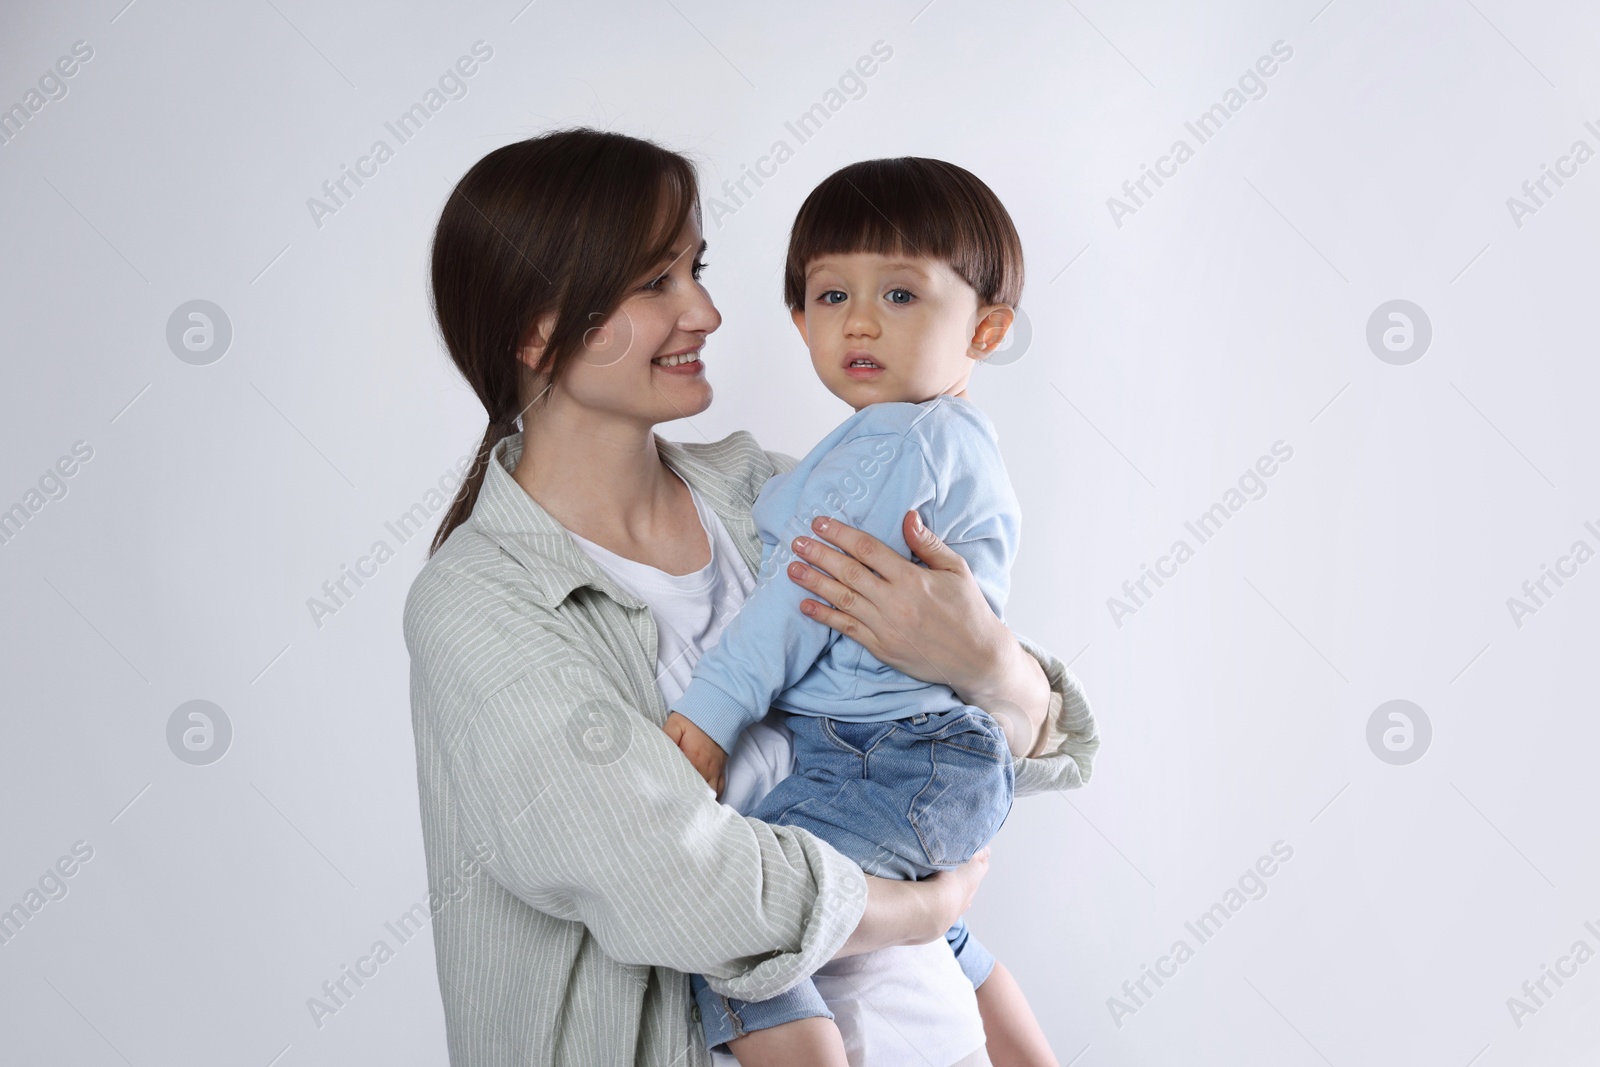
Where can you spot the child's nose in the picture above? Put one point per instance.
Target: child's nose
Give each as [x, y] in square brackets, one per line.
[861, 324]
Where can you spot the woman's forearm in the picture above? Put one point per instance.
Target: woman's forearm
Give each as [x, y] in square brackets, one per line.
[897, 913]
[914, 913]
[1017, 694]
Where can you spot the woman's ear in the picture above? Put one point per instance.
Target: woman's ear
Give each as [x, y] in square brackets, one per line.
[994, 322]
[799, 317]
[534, 341]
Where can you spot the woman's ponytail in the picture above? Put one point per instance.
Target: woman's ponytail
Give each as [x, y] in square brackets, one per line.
[467, 496]
[565, 223]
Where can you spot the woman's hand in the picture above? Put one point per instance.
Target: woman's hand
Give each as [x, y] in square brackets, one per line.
[957, 887]
[931, 622]
[914, 913]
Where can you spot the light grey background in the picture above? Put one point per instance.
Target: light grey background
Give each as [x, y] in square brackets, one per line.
[1168, 353]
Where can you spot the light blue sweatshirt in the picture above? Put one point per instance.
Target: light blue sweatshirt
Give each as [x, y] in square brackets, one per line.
[940, 457]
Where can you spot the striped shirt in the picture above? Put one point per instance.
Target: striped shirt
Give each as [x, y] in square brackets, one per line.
[577, 865]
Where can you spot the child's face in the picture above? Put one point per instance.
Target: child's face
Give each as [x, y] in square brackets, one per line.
[894, 328]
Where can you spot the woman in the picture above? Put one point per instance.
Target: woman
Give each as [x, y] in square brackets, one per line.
[579, 865]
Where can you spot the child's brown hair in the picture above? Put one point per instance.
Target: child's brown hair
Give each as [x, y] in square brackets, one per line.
[909, 206]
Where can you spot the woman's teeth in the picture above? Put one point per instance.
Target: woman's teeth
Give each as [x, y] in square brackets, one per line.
[673, 361]
[862, 363]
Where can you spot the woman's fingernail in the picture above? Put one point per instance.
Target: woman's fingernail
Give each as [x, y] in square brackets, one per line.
[916, 523]
[802, 543]
[808, 608]
[820, 524]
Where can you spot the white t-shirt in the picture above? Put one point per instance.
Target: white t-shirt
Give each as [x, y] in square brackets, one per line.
[899, 1007]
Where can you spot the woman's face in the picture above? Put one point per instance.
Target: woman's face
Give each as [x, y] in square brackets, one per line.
[643, 362]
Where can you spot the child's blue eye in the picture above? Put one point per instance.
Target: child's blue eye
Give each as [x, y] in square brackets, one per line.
[828, 297]
[899, 296]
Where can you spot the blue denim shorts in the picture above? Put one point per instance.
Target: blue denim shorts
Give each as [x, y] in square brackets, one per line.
[903, 798]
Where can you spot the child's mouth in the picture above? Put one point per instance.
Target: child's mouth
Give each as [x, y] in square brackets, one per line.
[861, 367]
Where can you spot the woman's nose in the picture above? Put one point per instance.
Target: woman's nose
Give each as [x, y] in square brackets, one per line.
[701, 316]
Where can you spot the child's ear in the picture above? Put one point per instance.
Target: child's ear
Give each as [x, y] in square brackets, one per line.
[994, 322]
[799, 317]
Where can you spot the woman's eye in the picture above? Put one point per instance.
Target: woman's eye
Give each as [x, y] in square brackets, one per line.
[832, 296]
[695, 270]
[899, 296]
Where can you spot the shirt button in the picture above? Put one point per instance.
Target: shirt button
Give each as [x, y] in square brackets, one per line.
[694, 1013]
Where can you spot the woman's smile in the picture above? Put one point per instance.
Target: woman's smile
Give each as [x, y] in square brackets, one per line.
[680, 363]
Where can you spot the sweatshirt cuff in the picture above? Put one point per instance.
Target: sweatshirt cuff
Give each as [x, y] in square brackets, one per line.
[1066, 758]
[721, 716]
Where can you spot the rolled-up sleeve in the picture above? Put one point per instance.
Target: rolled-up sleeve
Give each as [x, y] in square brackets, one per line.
[593, 815]
[1066, 758]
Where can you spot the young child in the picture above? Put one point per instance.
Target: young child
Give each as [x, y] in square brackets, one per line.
[902, 274]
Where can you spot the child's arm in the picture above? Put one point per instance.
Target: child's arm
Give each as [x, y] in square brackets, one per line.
[1013, 1034]
[869, 482]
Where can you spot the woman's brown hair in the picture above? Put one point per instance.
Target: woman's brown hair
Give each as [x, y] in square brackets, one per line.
[564, 222]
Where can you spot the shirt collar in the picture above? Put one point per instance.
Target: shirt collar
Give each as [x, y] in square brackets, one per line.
[507, 515]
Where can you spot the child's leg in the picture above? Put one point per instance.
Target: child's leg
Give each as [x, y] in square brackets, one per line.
[794, 1027]
[1012, 1033]
[976, 960]
[801, 1043]
[903, 798]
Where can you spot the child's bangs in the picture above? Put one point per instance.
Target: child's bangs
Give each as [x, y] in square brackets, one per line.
[913, 207]
[856, 214]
